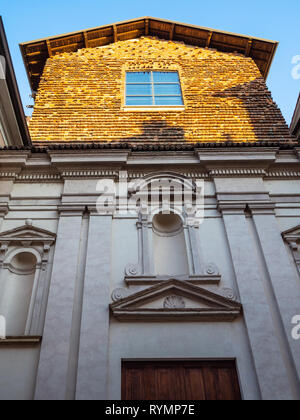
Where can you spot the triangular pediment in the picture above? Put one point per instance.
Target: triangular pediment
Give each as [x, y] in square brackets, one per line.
[27, 233]
[176, 300]
[292, 234]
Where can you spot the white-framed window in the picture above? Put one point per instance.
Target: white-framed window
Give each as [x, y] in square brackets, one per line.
[153, 88]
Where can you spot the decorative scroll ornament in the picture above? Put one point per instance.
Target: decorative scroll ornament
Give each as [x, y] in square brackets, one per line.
[211, 269]
[174, 302]
[132, 270]
[229, 294]
[119, 294]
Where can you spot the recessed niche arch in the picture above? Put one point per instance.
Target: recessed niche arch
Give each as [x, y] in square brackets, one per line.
[169, 245]
[26, 253]
[16, 289]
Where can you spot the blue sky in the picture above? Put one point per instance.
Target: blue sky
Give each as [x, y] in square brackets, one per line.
[276, 20]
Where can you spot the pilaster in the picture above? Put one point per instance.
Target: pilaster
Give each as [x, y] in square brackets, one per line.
[270, 368]
[54, 359]
[284, 281]
[94, 337]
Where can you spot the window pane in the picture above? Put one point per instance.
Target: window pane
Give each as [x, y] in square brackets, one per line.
[168, 100]
[141, 89]
[138, 77]
[167, 90]
[165, 77]
[139, 100]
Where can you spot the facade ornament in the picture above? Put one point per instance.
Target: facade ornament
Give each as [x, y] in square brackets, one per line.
[119, 294]
[211, 269]
[292, 237]
[132, 270]
[229, 294]
[174, 302]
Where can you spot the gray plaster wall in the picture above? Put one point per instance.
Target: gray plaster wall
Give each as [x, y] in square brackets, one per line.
[83, 344]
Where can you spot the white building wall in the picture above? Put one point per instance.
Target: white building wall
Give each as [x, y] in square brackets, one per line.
[83, 345]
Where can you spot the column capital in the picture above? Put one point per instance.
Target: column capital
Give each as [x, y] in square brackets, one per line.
[71, 210]
[227, 208]
[262, 208]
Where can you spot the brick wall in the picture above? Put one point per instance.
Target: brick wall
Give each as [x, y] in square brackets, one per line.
[81, 97]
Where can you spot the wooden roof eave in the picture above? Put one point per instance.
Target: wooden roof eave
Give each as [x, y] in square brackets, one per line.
[148, 26]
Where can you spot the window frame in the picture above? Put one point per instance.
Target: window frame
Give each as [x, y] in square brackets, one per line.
[152, 84]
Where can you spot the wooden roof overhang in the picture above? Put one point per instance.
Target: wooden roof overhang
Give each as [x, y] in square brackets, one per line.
[36, 53]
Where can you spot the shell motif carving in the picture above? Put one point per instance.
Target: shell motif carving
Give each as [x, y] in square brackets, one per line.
[174, 302]
[119, 294]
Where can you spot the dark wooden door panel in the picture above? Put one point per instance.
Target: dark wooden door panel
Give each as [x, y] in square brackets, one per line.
[216, 380]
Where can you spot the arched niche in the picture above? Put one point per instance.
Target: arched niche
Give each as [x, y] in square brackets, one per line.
[16, 289]
[169, 245]
[24, 277]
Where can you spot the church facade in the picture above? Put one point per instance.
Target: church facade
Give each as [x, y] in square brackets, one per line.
[150, 234]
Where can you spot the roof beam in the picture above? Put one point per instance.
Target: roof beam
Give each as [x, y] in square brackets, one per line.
[50, 53]
[115, 33]
[147, 27]
[208, 41]
[172, 30]
[248, 47]
[86, 41]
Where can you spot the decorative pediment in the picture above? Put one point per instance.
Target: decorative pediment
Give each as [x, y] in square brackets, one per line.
[292, 234]
[27, 235]
[292, 237]
[174, 300]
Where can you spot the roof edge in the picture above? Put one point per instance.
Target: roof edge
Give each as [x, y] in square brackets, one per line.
[13, 88]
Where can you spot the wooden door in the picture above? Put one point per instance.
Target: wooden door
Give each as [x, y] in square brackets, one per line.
[182, 380]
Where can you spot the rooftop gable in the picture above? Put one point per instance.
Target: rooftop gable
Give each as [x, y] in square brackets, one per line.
[36, 53]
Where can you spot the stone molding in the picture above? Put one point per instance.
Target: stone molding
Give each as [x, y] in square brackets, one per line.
[292, 237]
[21, 341]
[262, 208]
[95, 174]
[193, 304]
[231, 208]
[200, 279]
[71, 210]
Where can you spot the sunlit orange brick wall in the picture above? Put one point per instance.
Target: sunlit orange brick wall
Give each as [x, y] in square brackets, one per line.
[81, 97]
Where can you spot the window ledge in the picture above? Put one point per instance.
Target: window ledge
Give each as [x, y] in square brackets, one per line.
[154, 108]
[27, 340]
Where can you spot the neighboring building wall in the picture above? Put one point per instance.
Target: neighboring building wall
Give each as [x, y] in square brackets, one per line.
[295, 124]
[13, 127]
[246, 211]
[81, 97]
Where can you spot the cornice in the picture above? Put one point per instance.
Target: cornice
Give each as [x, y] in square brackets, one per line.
[22, 341]
[96, 174]
[89, 174]
[45, 147]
